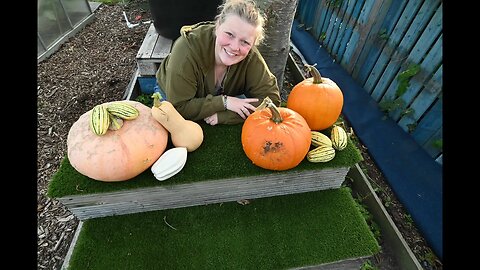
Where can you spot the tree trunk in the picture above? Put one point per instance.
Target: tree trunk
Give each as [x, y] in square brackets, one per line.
[276, 45]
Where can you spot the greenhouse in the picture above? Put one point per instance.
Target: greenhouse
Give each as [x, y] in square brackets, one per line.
[58, 20]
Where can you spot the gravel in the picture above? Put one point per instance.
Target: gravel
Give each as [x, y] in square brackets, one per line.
[92, 67]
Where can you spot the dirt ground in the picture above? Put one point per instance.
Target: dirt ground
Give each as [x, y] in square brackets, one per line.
[95, 66]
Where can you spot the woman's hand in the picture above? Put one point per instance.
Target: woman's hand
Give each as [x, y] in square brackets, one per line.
[241, 106]
[212, 119]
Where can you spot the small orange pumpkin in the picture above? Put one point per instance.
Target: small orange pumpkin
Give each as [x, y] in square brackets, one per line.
[119, 154]
[275, 138]
[319, 100]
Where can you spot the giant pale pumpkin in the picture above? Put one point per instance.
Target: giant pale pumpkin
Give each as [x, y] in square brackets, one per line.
[117, 155]
[275, 138]
[319, 100]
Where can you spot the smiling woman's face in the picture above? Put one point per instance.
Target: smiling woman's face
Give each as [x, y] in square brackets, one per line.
[235, 38]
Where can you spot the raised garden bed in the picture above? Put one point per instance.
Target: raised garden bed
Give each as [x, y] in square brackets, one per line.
[361, 188]
[218, 171]
[319, 230]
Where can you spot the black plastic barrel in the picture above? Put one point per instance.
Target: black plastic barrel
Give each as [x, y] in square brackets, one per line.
[170, 15]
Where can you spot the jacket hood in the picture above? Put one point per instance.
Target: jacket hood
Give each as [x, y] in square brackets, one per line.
[200, 38]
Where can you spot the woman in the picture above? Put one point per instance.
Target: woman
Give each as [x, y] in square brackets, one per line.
[215, 71]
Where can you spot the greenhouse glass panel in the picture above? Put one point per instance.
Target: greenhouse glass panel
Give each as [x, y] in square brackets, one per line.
[57, 20]
[76, 10]
[40, 47]
[52, 21]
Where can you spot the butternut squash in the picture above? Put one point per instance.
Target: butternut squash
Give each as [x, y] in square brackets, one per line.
[184, 133]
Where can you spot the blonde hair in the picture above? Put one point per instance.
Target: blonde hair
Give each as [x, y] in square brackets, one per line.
[245, 9]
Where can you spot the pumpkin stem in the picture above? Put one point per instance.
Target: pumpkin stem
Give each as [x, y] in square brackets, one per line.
[263, 105]
[156, 99]
[276, 117]
[317, 78]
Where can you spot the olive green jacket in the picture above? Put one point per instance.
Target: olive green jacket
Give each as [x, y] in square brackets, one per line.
[187, 77]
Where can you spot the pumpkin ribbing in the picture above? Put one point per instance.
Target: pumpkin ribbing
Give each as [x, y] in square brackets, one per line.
[275, 138]
[318, 99]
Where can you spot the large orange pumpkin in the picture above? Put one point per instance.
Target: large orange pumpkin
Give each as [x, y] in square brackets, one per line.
[319, 100]
[275, 138]
[118, 155]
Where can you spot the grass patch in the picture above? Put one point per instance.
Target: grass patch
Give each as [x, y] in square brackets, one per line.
[269, 233]
[220, 156]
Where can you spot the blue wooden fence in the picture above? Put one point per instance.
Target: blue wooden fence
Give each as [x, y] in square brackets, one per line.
[393, 48]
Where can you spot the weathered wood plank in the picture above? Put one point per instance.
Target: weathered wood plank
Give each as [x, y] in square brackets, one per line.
[340, 18]
[368, 32]
[420, 48]
[332, 21]
[347, 264]
[162, 48]
[343, 26]
[202, 193]
[343, 43]
[153, 50]
[431, 145]
[432, 61]
[424, 100]
[148, 43]
[390, 20]
[309, 13]
[320, 10]
[394, 39]
[431, 121]
[302, 10]
[325, 19]
[401, 53]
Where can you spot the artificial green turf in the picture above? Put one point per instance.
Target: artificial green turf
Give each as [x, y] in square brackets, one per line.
[269, 233]
[220, 156]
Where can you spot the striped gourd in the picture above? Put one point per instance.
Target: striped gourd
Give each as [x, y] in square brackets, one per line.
[319, 139]
[115, 122]
[339, 138]
[123, 110]
[321, 153]
[99, 120]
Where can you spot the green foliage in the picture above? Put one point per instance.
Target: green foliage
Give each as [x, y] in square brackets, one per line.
[145, 99]
[368, 218]
[387, 201]
[438, 144]
[404, 79]
[389, 105]
[368, 265]
[335, 3]
[322, 36]
[409, 220]
[430, 258]
[411, 127]
[383, 34]
[408, 112]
